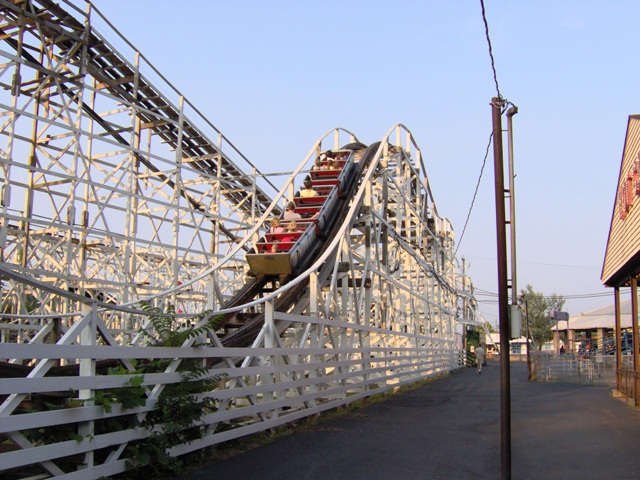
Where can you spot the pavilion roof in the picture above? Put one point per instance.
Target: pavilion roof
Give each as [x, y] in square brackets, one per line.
[602, 317]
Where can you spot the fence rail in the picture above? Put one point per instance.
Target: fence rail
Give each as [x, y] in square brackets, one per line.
[629, 384]
[60, 423]
[596, 369]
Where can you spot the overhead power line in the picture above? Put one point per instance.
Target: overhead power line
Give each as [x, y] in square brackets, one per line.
[493, 63]
[475, 194]
[577, 296]
[587, 295]
[504, 106]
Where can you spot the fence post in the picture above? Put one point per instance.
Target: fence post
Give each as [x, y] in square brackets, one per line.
[87, 368]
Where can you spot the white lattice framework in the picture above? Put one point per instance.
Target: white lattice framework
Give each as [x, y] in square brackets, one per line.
[114, 185]
[113, 193]
[380, 308]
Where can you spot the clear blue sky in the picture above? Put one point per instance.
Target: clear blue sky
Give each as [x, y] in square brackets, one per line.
[276, 75]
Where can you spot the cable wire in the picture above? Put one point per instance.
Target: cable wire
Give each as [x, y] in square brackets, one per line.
[493, 63]
[577, 296]
[475, 194]
[503, 107]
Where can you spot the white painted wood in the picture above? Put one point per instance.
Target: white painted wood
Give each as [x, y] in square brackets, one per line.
[161, 223]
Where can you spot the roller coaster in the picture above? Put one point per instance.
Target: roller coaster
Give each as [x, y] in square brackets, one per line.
[122, 206]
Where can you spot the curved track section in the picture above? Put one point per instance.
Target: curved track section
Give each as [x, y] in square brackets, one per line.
[243, 333]
[380, 305]
[386, 261]
[115, 191]
[114, 186]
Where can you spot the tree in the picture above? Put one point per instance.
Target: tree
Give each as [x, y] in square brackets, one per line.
[538, 311]
[489, 327]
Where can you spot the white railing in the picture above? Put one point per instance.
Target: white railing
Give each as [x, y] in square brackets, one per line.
[254, 389]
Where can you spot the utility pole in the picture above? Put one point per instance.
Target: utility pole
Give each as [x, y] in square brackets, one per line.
[526, 316]
[503, 293]
[512, 210]
[464, 303]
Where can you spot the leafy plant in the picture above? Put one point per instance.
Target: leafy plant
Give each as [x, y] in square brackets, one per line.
[178, 413]
[130, 395]
[167, 331]
[59, 433]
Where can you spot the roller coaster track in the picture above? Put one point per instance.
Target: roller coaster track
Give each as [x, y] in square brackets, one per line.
[122, 80]
[247, 332]
[428, 248]
[140, 195]
[116, 190]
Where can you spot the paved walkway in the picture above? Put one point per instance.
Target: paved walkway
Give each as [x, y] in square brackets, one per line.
[450, 429]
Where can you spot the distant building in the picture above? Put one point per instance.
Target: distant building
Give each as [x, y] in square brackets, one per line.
[517, 346]
[596, 327]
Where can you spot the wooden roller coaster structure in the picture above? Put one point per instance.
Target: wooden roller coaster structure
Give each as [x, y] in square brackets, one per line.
[122, 203]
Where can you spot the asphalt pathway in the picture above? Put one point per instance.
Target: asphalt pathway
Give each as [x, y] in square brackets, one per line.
[450, 429]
